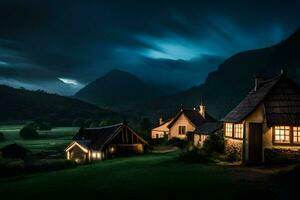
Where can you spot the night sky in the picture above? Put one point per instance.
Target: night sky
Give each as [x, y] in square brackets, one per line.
[163, 42]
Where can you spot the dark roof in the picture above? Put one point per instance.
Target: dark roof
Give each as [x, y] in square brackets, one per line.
[14, 147]
[194, 116]
[208, 128]
[97, 138]
[281, 98]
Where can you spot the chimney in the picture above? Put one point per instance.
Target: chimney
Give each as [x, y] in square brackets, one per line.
[202, 110]
[161, 121]
[258, 81]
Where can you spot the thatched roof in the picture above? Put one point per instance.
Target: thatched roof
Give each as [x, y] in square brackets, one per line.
[280, 97]
[97, 138]
[194, 117]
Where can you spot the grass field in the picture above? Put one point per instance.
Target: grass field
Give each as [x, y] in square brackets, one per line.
[152, 176]
[53, 140]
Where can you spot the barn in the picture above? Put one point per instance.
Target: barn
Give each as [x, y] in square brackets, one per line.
[91, 144]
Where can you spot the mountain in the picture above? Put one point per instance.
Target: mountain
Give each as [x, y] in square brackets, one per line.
[119, 90]
[228, 85]
[21, 104]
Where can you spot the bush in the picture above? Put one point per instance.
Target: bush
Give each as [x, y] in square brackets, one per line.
[44, 126]
[1, 137]
[279, 156]
[181, 143]
[232, 154]
[29, 132]
[214, 143]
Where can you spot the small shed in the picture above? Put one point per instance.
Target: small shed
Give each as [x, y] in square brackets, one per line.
[14, 151]
[91, 144]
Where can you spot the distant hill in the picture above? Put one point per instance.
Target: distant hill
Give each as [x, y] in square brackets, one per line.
[224, 88]
[21, 104]
[119, 90]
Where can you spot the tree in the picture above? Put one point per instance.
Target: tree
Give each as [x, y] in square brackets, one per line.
[29, 131]
[45, 126]
[105, 122]
[145, 124]
[1, 137]
[79, 122]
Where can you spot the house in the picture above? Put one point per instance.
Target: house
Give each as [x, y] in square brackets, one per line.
[197, 122]
[162, 130]
[267, 118]
[91, 144]
[14, 151]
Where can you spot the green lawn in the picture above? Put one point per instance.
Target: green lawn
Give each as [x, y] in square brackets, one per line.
[153, 176]
[56, 139]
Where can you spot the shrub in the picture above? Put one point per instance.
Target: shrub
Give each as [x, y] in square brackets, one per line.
[1, 137]
[214, 143]
[279, 156]
[181, 143]
[44, 126]
[29, 132]
[232, 154]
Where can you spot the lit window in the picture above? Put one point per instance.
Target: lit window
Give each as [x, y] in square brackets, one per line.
[238, 130]
[228, 129]
[94, 155]
[98, 155]
[296, 133]
[182, 130]
[282, 134]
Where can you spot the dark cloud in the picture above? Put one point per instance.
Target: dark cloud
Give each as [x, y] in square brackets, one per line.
[173, 42]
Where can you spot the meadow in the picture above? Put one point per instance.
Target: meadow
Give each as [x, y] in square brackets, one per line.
[54, 140]
[149, 176]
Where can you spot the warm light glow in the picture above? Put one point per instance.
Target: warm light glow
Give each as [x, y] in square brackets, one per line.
[296, 134]
[77, 144]
[94, 155]
[282, 134]
[112, 149]
[98, 155]
[238, 130]
[228, 129]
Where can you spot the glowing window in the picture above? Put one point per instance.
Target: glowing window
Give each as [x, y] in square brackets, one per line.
[94, 155]
[296, 134]
[238, 130]
[282, 134]
[228, 129]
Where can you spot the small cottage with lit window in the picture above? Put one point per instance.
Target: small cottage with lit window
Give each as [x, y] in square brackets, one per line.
[267, 119]
[91, 144]
[162, 130]
[196, 121]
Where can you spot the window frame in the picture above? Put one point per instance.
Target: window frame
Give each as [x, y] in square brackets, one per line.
[225, 129]
[180, 130]
[291, 135]
[234, 133]
[298, 135]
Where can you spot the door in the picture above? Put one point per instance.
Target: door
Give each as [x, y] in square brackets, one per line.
[255, 143]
